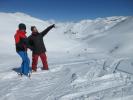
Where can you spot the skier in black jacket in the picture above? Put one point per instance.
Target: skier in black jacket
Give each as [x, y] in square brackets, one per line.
[36, 41]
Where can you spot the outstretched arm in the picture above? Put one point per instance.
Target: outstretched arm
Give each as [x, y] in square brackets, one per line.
[47, 30]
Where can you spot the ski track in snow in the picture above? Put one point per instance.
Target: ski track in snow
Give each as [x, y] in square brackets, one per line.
[58, 83]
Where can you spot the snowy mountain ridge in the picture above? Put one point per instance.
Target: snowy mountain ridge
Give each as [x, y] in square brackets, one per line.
[84, 29]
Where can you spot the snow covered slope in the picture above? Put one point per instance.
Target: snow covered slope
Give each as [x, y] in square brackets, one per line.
[88, 60]
[64, 35]
[118, 39]
[9, 24]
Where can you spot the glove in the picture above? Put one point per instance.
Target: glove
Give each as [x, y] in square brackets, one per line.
[53, 25]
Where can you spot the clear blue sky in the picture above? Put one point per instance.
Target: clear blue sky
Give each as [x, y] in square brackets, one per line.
[69, 10]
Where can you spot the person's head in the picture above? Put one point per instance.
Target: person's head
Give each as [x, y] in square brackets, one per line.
[22, 27]
[34, 29]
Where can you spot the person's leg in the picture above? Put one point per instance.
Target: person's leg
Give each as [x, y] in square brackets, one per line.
[34, 61]
[21, 54]
[44, 61]
[22, 67]
[26, 70]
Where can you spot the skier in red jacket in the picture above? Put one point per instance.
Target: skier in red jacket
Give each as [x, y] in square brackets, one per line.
[21, 42]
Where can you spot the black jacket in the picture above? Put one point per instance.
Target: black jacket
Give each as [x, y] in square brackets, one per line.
[36, 41]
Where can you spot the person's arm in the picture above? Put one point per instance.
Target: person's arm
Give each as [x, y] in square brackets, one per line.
[27, 43]
[47, 30]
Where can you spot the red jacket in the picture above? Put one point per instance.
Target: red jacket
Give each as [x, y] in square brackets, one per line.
[20, 40]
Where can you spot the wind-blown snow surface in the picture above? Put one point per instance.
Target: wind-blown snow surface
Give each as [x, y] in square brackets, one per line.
[88, 60]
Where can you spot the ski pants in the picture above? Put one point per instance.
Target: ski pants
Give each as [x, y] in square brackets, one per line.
[35, 61]
[25, 66]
